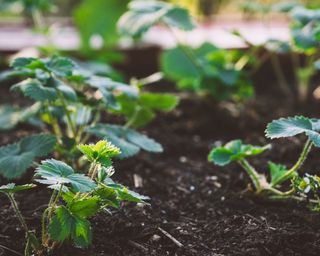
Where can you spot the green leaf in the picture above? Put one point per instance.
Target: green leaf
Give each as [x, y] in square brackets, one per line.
[57, 174]
[234, 151]
[82, 234]
[64, 225]
[98, 17]
[291, 126]
[13, 188]
[105, 84]
[27, 63]
[108, 196]
[11, 116]
[159, 101]
[101, 152]
[124, 194]
[60, 66]
[84, 207]
[128, 140]
[61, 225]
[177, 66]
[15, 159]
[35, 90]
[278, 172]
[142, 15]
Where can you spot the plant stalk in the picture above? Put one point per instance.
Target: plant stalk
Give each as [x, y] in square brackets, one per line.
[255, 177]
[306, 150]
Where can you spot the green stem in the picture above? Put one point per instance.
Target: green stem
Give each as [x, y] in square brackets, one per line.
[45, 217]
[280, 75]
[69, 120]
[94, 172]
[255, 177]
[133, 118]
[55, 125]
[92, 166]
[280, 193]
[306, 150]
[18, 212]
[38, 20]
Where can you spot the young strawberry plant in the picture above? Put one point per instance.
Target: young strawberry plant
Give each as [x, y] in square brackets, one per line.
[236, 151]
[205, 69]
[75, 198]
[302, 48]
[70, 103]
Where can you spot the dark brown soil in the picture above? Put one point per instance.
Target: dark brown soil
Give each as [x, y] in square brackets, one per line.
[202, 206]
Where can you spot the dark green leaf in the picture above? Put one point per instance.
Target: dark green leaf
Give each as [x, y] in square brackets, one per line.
[16, 158]
[128, 140]
[35, 90]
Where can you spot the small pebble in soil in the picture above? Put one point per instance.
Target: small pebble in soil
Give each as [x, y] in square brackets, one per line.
[183, 159]
[155, 238]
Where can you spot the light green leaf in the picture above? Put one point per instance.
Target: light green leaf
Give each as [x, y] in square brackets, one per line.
[291, 126]
[234, 151]
[55, 174]
[159, 101]
[278, 173]
[13, 188]
[124, 194]
[84, 207]
[15, 159]
[101, 152]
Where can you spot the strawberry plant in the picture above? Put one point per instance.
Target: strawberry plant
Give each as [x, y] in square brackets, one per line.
[205, 69]
[236, 151]
[70, 104]
[302, 48]
[75, 198]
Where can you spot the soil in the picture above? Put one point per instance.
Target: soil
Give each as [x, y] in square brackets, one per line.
[205, 209]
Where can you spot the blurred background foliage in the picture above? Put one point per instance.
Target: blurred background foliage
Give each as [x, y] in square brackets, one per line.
[197, 7]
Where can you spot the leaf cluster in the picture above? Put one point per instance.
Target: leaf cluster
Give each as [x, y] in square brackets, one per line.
[236, 151]
[70, 101]
[76, 197]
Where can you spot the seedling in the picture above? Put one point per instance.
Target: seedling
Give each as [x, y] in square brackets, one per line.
[284, 127]
[206, 70]
[71, 102]
[75, 198]
[302, 48]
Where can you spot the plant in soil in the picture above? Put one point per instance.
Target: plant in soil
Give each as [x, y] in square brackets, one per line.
[75, 198]
[302, 48]
[70, 106]
[207, 69]
[236, 151]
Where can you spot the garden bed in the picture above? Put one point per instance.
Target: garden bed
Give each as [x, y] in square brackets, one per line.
[196, 207]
